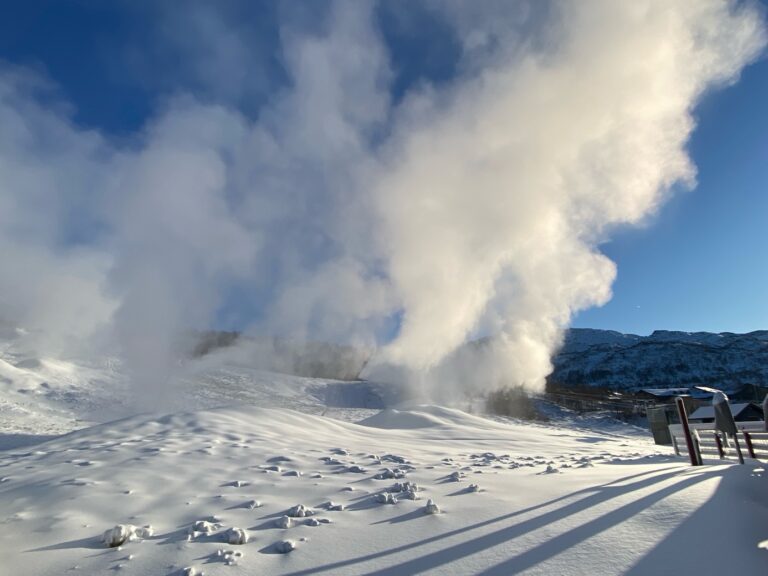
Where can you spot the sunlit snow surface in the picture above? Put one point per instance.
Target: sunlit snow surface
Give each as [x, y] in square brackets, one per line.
[261, 490]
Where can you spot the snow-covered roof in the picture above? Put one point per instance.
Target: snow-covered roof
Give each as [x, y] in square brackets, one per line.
[709, 412]
[665, 392]
[702, 392]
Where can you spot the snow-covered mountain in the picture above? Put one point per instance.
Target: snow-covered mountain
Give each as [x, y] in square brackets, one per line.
[664, 359]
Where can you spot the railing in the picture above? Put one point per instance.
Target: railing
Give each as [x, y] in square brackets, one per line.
[710, 443]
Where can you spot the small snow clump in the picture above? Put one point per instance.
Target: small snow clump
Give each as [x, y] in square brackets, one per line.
[204, 527]
[237, 536]
[285, 546]
[284, 522]
[431, 507]
[300, 511]
[385, 498]
[123, 533]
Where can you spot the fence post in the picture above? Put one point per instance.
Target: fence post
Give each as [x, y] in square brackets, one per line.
[748, 441]
[692, 452]
[719, 446]
[674, 445]
[697, 445]
[738, 448]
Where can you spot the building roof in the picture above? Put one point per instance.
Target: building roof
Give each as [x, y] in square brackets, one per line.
[666, 392]
[708, 412]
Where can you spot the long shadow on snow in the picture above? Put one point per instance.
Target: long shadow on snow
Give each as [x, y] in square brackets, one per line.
[573, 537]
[595, 495]
[92, 543]
[722, 534]
[16, 441]
[412, 515]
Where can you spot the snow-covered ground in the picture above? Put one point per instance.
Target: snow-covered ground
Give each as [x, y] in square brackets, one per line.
[281, 483]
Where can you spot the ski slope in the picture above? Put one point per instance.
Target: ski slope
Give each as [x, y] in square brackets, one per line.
[267, 484]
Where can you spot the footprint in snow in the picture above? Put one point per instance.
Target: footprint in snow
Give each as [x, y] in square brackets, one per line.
[300, 511]
[77, 482]
[279, 460]
[389, 473]
[317, 521]
[331, 461]
[203, 528]
[229, 557]
[394, 458]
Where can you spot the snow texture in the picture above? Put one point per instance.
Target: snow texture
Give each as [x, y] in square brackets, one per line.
[617, 504]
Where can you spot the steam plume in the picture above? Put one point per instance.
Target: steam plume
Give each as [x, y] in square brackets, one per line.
[413, 224]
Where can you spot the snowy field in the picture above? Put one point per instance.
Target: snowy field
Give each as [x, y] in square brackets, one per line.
[254, 474]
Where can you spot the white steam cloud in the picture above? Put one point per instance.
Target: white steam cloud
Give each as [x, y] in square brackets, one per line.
[465, 209]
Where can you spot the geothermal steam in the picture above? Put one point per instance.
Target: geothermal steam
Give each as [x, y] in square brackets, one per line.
[464, 209]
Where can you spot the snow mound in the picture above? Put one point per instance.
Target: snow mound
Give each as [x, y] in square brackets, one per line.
[425, 416]
[397, 419]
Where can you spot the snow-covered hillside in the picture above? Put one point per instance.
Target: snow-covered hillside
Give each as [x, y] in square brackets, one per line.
[512, 498]
[295, 479]
[663, 359]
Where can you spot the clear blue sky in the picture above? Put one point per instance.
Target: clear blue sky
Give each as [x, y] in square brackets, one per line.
[700, 264]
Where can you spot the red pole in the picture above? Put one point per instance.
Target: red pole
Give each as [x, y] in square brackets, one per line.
[692, 453]
[719, 446]
[748, 440]
[738, 448]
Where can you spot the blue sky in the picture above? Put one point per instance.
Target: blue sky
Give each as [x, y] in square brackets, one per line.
[702, 262]
[699, 264]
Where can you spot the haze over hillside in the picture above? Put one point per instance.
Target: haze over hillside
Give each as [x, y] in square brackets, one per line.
[588, 357]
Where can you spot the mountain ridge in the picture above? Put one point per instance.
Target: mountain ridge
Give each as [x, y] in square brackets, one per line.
[665, 358]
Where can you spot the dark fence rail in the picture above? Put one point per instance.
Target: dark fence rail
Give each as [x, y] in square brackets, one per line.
[711, 444]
